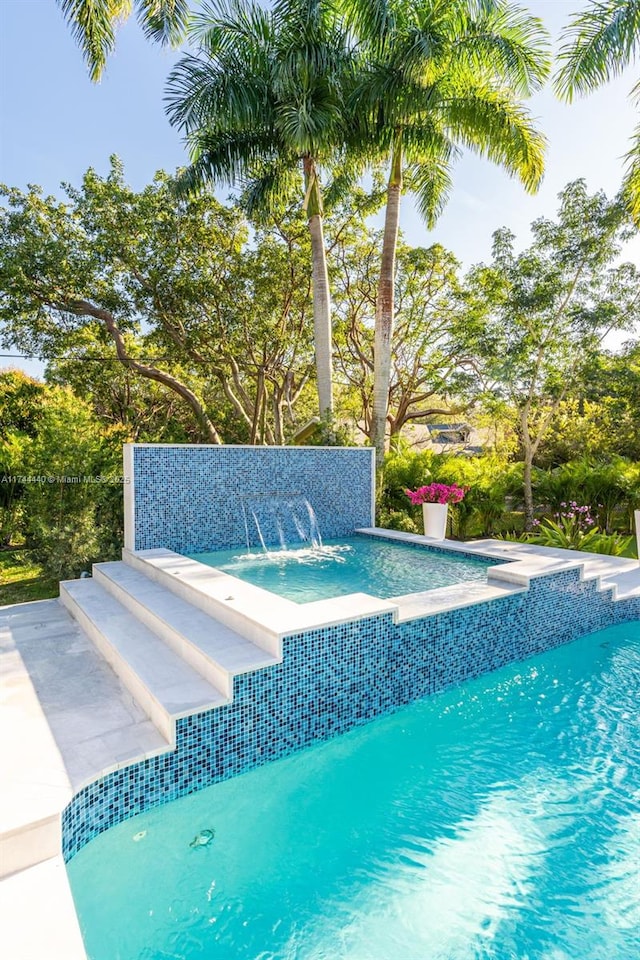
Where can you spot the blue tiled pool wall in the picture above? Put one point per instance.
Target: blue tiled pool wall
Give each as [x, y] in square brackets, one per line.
[338, 677]
[189, 498]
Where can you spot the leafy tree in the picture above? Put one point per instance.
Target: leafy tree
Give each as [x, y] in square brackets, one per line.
[534, 318]
[262, 104]
[599, 419]
[143, 409]
[427, 363]
[94, 23]
[599, 43]
[611, 386]
[101, 259]
[20, 399]
[70, 523]
[174, 287]
[438, 77]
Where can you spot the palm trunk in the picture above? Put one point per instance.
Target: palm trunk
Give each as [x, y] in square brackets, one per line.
[321, 294]
[385, 307]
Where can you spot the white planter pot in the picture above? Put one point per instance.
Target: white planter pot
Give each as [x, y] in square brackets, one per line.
[636, 514]
[435, 520]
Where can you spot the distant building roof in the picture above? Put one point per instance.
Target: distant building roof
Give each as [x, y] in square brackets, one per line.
[450, 432]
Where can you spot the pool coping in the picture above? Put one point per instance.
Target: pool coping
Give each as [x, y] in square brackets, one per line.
[266, 618]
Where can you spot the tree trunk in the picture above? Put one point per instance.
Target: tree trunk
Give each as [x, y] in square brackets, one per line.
[321, 294]
[528, 451]
[86, 308]
[385, 307]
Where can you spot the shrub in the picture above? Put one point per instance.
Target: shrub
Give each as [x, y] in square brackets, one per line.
[612, 489]
[559, 533]
[66, 524]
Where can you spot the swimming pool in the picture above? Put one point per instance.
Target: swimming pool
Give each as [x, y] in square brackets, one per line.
[498, 820]
[356, 564]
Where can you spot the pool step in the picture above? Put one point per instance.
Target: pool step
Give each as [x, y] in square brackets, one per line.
[164, 685]
[210, 647]
[222, 597]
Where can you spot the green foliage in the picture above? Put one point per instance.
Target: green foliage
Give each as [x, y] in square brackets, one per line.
[404, 469]
[20, 412]
[538, 317]
[20, 399]
[612, 490]
[398, 520]
[71, 504]
[65, 549]
[12, 448]
[489, 479]
[566, 534]
[600, 419]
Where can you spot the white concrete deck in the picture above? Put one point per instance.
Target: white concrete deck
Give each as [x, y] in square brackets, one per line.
[68, 716]
[38, 919]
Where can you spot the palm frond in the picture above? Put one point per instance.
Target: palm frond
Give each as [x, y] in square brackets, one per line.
[230, 27]
[202, 93]
[489, 122]
[230, 158]
[165, 21]
[93, 25]
[346, 172]
[600, 42]
[272, 187]
[509, 42]
[431, 183]
[631, 183]
[372, 22]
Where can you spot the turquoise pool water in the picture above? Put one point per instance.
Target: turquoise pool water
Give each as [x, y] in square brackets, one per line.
[497, 821]
[353, 565]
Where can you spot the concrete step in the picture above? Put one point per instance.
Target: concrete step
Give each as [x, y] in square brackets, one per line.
[161, 682]
[210, 647]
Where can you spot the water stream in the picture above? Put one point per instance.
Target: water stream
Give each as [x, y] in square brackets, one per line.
[280, 520]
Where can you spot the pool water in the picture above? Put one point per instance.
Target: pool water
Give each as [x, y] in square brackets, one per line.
[497, 821]
[370, 565]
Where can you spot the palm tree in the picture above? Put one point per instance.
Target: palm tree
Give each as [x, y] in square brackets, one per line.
[600, 42]
[93, 24]
[441, 75]
[262, 106]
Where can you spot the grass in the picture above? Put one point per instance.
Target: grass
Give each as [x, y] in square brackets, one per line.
[22, 580]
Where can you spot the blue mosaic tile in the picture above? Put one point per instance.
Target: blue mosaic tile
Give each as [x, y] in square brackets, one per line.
[190, 499]
[335, 678]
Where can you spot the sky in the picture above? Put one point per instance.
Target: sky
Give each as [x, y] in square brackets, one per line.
[55, 123]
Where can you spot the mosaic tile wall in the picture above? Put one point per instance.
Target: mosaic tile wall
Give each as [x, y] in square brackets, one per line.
[337, 677]
[197, 498]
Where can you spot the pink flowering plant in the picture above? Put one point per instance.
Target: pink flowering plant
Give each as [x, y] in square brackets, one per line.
[436, 493]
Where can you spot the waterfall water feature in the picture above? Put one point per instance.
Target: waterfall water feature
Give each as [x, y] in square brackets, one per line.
[281, 520]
